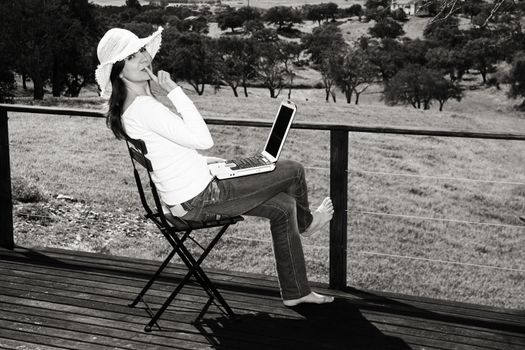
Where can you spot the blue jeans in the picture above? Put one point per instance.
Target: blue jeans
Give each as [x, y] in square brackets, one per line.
[282, 197]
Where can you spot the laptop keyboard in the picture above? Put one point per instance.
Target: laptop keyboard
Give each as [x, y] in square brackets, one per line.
[250, 162]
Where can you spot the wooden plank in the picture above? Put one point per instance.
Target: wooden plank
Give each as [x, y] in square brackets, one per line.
[6, 201]
[260, 281]
[416, 331]
[268, 284]
[156, 295]
[394, 329]
[372, 295]
[374, 301]
[25, 333]
[348, 325]
[11, 344]
[232, 336]
[97, 334]
[139, 269]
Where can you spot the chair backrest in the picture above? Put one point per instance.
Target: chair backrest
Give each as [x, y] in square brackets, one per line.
[137, 151]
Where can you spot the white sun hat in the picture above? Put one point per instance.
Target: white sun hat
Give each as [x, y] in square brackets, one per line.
[116, 45]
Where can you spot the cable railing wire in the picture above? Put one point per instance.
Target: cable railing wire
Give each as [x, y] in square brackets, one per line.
[440, 261]
[435, 219]
[362, 252]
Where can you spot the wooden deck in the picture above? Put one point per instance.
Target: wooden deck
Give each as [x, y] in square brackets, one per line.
[52, 298]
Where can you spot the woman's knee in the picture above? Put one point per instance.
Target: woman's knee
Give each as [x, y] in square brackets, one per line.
[293, 166]
[284, 206]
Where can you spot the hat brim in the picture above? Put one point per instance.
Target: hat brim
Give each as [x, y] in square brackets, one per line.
[103, 72]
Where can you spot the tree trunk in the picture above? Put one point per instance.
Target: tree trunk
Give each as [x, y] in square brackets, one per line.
[245, 90]
[483, 75]
[38, 87]
[201, 91]
[24, 78]
[57, 81]
[272, 92]
[234, 88]
[290, 86]
[333, 96]
[348, 94]
[441, 104]
[327, 94]
[357, 98]
[279, 91]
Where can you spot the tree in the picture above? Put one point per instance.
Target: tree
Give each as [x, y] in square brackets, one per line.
[25, 26]
[386, 28]
[353, 72]
[388, 55]
[190, 57]
[418, 86]
[253, 26]
[249, 58]
[230, 65]
[377, 9]
[7, 85]
[444, 89]
[354, 10]
[449, 60]
[134, 4]
[282, 15]
[321, 12]
[327, 76]
[517, 78]
[154, 16]
[445, 33]
[483, 53]
[289, 54]
[326, 38]
[229, 17]
[51, 40]
[399, 15]
[249, 13]
[323, 45]
[269, 63]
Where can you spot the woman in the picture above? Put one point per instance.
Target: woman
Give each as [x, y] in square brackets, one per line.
[181, 174]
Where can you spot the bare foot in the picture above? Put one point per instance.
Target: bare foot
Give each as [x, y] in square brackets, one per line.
[312, 298]
[322, 216]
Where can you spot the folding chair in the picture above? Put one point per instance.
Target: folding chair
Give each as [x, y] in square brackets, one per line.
[176, 231]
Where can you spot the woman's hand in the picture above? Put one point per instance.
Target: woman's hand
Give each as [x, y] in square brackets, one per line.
[163, 78]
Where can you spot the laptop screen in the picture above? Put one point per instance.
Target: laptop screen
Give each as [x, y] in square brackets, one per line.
[279, 130]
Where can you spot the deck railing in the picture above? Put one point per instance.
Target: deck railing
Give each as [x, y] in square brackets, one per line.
[339, 134]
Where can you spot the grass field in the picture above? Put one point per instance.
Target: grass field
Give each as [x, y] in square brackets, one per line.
[447, 206]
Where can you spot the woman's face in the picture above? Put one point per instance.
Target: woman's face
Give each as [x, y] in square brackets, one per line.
[134, 70]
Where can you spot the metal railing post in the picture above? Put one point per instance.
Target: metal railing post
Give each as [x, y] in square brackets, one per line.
[339, 195]
[6, 203]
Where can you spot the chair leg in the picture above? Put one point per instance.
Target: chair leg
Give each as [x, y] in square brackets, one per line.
[195, 270]
[206, 281]
[168, 301]
[150, 282]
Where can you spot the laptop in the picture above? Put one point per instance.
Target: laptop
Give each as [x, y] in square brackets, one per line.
[265, 161]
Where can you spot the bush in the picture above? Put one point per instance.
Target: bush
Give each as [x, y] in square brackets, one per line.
[25, 192]
[399, 15]
[7, 86]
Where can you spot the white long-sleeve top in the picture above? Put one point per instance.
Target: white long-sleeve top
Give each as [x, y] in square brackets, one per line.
[179, 171]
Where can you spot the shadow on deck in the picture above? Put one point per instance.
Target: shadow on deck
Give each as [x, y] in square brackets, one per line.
[51, 298]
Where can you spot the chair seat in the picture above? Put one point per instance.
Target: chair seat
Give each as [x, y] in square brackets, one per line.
[183, 225]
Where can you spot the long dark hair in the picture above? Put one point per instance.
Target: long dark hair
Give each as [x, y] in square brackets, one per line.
[116, 102]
